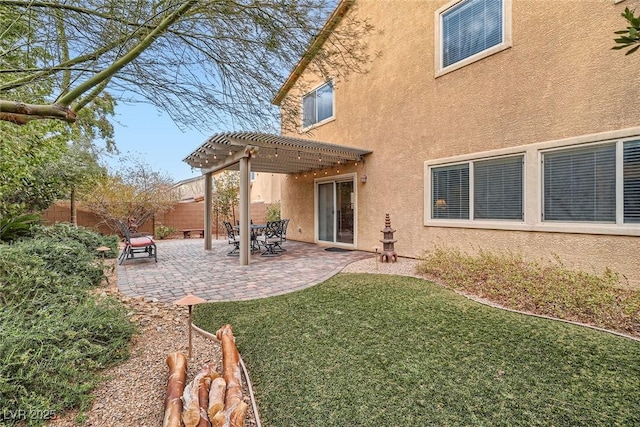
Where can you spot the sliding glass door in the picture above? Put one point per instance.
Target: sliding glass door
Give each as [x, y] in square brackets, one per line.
[336, 206]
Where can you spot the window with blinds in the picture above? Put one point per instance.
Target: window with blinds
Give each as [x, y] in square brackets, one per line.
[631, 191]
[580, 184]
[498, 188]
[470, 27]
[317, 105]
[450, 192]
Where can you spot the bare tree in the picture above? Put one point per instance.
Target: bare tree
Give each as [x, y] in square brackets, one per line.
[133, 192]
[204, 62]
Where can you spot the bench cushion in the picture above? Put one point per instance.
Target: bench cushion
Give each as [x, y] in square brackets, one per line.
[139, 242]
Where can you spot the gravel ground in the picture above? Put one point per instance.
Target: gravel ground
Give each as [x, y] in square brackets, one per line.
[133, 392]
[403, 267]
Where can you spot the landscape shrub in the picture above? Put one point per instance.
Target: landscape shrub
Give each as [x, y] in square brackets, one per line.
[542, 287]
[13, 227]
[163, 231]
[91, 240]
[273, 212]
[54, 333]
[65, 256]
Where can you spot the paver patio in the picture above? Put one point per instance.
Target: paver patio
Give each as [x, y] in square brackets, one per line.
[185, 267]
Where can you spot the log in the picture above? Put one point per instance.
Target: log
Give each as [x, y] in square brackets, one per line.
[230, 367]
[239, 413]
[203, 394]
[191, 410]
[219, 420]
[234, 407]
[191, 398]
[216, 397]
[177, 363]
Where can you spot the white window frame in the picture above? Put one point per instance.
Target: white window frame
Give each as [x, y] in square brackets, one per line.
[472, 189]
[533, 182]
[333, 106]
[618, 145]
[507, 39]
[336, 178]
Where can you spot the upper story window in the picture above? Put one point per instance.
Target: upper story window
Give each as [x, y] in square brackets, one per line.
[469, 30]
[317, 105]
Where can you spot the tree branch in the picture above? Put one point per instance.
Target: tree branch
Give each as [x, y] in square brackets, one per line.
[21, 113]
[128, 57]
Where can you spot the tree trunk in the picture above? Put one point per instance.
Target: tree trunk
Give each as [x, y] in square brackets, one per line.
[177, 363]
[73, 207]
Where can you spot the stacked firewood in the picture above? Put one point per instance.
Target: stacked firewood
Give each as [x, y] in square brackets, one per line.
[209, 400]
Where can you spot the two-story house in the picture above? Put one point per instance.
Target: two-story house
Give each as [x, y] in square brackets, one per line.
[505, 125]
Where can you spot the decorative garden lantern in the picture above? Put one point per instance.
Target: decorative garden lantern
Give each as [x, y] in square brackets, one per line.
[388, 253]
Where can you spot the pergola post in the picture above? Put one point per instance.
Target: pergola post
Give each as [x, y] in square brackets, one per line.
[208, 207]
[245, 230]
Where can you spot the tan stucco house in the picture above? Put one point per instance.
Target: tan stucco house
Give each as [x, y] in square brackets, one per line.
[500, 124]
[505, 125]
[264, 188]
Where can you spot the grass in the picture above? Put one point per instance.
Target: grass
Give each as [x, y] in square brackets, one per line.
[371, 350]
[542, 287]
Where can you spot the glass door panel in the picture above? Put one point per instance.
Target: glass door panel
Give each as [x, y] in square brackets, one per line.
[336, 212]
[344, 202]
[326, 212]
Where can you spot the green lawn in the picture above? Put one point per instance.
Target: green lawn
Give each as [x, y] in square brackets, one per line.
[375, 350]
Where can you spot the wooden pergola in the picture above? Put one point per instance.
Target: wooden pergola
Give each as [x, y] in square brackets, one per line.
[248, 151]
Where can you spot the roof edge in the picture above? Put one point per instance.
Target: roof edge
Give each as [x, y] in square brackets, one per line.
[332, 22]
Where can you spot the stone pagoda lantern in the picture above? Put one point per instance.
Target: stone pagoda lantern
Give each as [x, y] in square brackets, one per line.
[388, 253]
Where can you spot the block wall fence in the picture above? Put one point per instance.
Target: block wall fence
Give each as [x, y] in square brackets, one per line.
[182, 216]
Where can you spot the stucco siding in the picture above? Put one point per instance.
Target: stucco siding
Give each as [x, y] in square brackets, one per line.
[559, 79]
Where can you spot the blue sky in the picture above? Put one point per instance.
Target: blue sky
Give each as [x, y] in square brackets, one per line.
[143, 132]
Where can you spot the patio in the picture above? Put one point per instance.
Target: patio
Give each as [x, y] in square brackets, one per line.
[185, 267]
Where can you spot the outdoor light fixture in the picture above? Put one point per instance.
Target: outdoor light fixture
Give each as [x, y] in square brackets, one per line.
[298, 155]
[215, 156]
[276, 153]
[190, 301]
[230, 152]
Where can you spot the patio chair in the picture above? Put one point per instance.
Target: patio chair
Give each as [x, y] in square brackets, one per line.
[233, 238]
[271, 238]
[136, 245]
[280, 236]
[285, 224]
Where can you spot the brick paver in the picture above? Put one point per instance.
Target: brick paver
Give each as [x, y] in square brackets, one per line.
[185, 267]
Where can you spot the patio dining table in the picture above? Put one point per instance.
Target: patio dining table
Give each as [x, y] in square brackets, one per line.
[255, 231]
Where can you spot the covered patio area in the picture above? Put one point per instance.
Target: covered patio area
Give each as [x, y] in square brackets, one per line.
[185, 267]
[249, 151]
